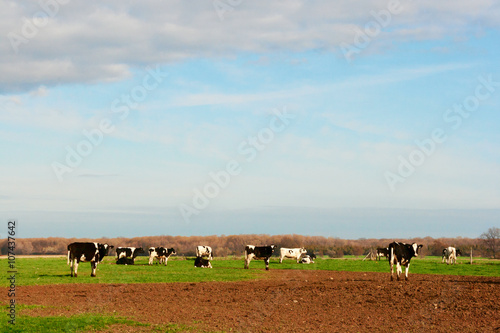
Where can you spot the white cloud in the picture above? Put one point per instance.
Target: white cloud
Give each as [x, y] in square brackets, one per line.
[101, 42]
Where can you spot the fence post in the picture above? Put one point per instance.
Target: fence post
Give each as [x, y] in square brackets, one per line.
[471, 255]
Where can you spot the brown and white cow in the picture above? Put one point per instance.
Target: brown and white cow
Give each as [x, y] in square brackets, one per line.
[86, 251]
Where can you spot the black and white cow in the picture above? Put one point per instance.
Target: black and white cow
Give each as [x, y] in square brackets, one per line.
[88, 251]
[125, 261]
[128, 252]
[161, 254]
[400, 254]
[382, 252]
[293, 253]
[307, 258]
[202, 262]
[204, 251]
[259, 253]
[451, 254]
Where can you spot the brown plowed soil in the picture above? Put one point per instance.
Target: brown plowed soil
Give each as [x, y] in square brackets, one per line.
[288, 301]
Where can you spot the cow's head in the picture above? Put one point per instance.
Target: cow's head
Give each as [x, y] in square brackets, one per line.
[303, 250]
[273, 247]
[459, 253]
[416, 247]
[103, 250]
[171, 251]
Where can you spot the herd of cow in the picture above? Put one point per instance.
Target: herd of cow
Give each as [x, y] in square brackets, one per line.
[398, 254]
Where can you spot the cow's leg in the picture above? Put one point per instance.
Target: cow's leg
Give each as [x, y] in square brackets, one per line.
[247, 262]
[391, 262]
[281, 259]
[399, 270]
[166, 260]
[267, 263]
[75, 267]
[407, 268]
[93, 265]
[72, 267]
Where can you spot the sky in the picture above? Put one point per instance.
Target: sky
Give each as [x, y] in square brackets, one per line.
[366, 119]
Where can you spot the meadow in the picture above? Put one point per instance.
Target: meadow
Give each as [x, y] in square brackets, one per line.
[42, 271]
[38, 271]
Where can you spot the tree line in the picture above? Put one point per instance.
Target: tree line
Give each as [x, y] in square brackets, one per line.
[234, 245]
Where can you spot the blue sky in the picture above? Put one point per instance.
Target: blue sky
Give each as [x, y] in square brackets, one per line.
[249, 117]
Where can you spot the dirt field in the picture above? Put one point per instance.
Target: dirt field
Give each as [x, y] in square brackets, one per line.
[290, 301]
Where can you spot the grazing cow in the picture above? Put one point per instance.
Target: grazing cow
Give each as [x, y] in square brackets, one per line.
[128, 252]
[161, 254]
[307, 259]
[201, 262]
[382, 252]
[401, 254]
[291, 253]
[259, 253]
[451, 254]
[204, 251]
[93, 252]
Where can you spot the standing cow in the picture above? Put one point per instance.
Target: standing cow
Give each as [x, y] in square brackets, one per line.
[451, 254]
[382, 252]
[293, 253]
[400, 254]
[93, 252]
[259, 253]
[204, 251]
[161, 254]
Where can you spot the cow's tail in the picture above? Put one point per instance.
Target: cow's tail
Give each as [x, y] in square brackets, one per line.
[68, 257]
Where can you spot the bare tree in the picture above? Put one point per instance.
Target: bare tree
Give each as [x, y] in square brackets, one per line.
[491, 238]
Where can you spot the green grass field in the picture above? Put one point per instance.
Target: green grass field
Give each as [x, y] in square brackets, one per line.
[40, 271]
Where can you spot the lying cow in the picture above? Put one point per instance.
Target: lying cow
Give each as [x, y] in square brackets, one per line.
[451, 254]
[204, 251]
[401, 254]
[202, 262]
[161, 254]
[93, 252]
[259, 253]
[128, 252]
[294, 253]
[125, 261]
[382, 252]
[307, 259]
